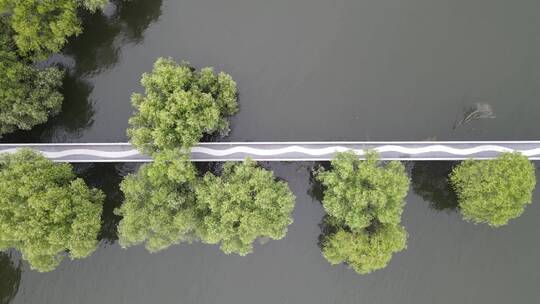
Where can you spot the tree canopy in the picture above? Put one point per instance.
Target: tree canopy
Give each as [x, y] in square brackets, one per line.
[28, 96]
[160, 206]
[494, 191]
[45, 211]
[360, 192]
[179, 106]
[364, 250]
[42, 27]
[364, 201]
[242, 205]
[167, 203]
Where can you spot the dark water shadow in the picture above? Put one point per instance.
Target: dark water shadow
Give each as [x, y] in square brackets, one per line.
[93, 51]
[327, 228]
[430, 181]
[98, 47]
[107, 178]
[316, 188]
[10, 277]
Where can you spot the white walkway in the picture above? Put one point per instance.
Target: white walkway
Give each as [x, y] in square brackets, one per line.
[288, 151]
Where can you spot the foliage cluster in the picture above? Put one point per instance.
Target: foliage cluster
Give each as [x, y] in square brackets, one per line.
[42, 27]
[364, 201]
[45, 211]
[160, 205]
[494, 191]
[28, 96]
[167, 203]
[245, 203]
[179, 106]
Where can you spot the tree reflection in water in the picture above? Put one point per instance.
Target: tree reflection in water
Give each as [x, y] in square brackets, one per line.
[430, 181]
[10, 278]
[107, 177]
[94, 51]
[98, 47]
[316, 188]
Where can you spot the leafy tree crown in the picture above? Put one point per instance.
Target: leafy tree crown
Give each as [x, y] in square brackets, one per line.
[45, 211]
[179, 106]
[42, 27]
[494, 191]
[242, 205]
[159, 207]
[360, 192]
[364, 201]
[28, 96]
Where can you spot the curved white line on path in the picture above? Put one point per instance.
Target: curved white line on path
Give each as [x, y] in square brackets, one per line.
[382, 149]
[81, 152]
[292, 149]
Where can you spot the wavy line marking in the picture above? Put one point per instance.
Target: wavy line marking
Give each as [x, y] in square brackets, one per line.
[292, 149]
[382, 149]
[81, 152]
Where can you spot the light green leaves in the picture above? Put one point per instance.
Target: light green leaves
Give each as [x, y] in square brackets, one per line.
[365, 251]
[179, 106]
[166, 203]
[364, 201]
[494, 191]
[28, 96]
[360, 192]
[45, 211]
[42, 27]
[159, 206]
[245, 203]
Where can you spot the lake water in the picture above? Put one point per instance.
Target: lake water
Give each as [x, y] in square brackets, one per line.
[310, 70]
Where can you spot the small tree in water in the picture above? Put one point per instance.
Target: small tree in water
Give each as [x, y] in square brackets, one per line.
[179, 106]
[364, 201]
[45, 211]
[494, 191]
[242, 205]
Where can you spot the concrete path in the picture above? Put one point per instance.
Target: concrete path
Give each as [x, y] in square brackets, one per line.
[288, 151]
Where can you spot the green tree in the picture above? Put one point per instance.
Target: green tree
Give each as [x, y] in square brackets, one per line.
[45, 211]
[494, 191]
[364, 201]
[360, 192]
[42, 27]
[242, 205]
[179, 106]
[28, 96]
[364, 250]
[160, 206]
[166, 203]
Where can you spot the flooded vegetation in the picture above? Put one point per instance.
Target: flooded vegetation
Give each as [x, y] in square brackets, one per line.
[307, 70]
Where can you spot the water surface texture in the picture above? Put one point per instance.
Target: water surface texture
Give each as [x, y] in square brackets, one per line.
[310, 70]
[318, 69]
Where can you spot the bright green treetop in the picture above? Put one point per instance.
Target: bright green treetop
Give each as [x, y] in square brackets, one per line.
[179, 106]
[42, 27]
[159, 206]
[364, 201]
[494, 191]
[242, 205]
[28, 96]
[361, 191]
[165, 204]
[45, 211]
[365, 251]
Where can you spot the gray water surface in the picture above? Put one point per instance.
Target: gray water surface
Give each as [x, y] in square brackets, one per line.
[310, 70]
